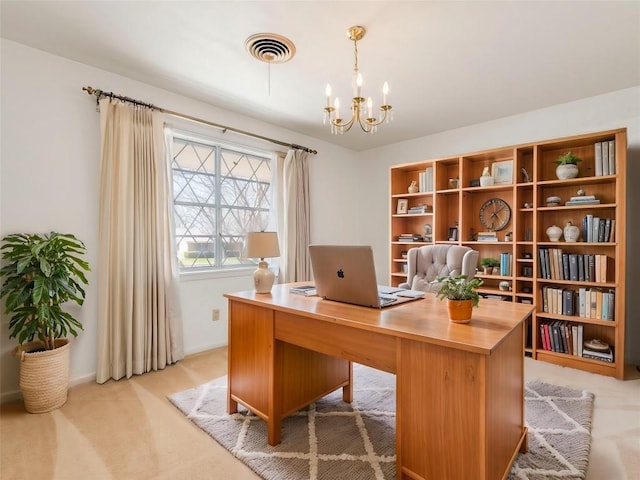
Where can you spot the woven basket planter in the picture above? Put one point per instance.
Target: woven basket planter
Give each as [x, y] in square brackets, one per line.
[44, 375]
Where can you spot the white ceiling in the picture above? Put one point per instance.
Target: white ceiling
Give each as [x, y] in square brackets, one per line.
[448, 64]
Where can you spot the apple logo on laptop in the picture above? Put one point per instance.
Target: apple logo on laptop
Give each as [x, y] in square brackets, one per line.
[340, 273]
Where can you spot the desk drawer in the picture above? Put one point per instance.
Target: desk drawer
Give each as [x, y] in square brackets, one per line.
[361, 346]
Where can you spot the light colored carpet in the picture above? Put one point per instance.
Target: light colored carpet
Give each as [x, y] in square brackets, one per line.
[332, 439]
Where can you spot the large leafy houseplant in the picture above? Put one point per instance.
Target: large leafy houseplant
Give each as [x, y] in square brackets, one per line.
[43, 273]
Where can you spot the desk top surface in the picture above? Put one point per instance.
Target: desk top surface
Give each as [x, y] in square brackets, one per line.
[423, 320]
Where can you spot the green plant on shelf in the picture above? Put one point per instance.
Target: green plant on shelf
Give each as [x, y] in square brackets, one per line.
[489, 262]
[567, 159]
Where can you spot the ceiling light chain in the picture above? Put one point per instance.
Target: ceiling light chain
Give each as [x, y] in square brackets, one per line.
[368, 123]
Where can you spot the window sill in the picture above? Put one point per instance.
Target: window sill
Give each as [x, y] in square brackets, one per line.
[215, 274]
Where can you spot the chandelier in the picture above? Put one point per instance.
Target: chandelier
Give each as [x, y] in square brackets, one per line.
[359, 113]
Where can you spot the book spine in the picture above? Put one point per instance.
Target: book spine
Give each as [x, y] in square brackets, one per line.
[598, 158]
[580, 259]
[542, 273]
[581, 302]
[580, 339]
[612, 157]
[573, 267]
[567, 302]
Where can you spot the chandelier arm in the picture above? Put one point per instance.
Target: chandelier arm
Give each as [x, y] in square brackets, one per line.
[372, 121]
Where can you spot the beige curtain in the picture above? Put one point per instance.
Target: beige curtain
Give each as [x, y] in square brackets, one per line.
[294, 223]
[139, 324]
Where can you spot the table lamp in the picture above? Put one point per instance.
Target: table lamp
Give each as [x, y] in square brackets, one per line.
[263, 245]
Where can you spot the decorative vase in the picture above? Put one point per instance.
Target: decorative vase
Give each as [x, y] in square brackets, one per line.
[568, 170]
[413, 188]
[460, 311]
[486, 179]
[504, 286]
[571, 232]
[554, 233]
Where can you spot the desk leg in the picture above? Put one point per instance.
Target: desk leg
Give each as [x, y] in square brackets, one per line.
[274, 428]
[347, 390]
[232, 405]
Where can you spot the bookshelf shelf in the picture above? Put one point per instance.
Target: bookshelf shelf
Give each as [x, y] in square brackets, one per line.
[455, 200]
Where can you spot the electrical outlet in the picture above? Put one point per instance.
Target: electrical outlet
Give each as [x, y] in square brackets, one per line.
[215, 314]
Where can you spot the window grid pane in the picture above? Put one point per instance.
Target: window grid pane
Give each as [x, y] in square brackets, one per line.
[220, 193]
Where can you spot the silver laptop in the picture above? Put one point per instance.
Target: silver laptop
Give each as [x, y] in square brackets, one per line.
[346, 273]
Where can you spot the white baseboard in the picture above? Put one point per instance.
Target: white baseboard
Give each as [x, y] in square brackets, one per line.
[15, 395]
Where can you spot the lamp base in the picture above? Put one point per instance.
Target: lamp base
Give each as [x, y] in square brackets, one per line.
[263, 278]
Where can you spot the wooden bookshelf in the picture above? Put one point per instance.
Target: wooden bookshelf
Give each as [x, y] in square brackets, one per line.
[453, 202]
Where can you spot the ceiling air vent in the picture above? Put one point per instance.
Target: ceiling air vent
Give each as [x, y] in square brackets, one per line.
[270, 48]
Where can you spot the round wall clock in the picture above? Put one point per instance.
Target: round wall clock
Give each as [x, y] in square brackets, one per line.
[495, 214]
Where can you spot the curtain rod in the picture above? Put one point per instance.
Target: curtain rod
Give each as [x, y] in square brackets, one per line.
[101, 93]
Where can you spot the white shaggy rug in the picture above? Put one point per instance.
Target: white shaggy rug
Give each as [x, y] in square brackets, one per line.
[332, 439]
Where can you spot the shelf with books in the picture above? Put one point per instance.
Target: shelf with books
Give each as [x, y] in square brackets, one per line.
[525, 179]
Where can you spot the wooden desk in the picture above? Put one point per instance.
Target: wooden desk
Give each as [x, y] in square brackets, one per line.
[459, 388]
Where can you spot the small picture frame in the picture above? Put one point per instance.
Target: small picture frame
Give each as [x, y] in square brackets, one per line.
[403, 206]
[453, 234]
[502, 172]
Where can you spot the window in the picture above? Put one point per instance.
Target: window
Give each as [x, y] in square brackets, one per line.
[219, 194]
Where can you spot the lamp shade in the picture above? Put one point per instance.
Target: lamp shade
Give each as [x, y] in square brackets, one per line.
[262, 245]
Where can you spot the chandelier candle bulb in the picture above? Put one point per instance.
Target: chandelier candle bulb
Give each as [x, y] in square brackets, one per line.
[370, 107]
[328, 92]
[385, 92]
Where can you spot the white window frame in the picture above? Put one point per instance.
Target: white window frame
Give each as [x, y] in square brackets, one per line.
[243, 269]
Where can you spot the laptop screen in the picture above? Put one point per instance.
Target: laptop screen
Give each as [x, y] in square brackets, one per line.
[346, 273]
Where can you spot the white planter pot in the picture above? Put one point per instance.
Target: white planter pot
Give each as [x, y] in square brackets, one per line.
[567, 171]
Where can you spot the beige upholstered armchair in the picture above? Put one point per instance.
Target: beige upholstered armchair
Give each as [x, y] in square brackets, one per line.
[425, 264]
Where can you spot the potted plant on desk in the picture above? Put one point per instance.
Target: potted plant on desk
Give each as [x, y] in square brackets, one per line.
[461, 296]
[43, 273]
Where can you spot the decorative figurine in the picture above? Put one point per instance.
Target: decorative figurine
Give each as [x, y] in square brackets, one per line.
[413, 188]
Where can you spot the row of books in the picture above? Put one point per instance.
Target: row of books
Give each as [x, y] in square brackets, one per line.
[409, 237]
[596, 229]
[425, 180]
[421, 208]
[605, 158]
[506, 260]
[576, 267]
[564, 337]
[583, 200]
[585, 302]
